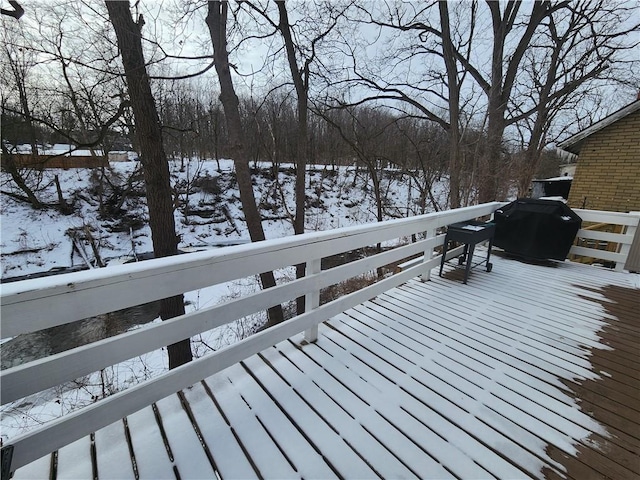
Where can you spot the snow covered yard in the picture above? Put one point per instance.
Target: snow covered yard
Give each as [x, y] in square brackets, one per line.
[527, 371]
[208, 213]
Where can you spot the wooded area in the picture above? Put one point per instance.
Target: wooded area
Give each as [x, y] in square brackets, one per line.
[472, 90]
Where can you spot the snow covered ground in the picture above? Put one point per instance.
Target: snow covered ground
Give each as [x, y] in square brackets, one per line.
[334, 200]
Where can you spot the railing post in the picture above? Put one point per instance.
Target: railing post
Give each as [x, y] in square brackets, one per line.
[631, 251]
[428, 255]
[312, 299]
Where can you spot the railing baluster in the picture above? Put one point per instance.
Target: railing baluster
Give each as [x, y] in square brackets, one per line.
[312, 299]
[428, 255]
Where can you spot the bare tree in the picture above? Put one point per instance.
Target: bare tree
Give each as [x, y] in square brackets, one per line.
[433, 95]
[216, 21]
[299, 59]
[17, 64]
[367, 133]
[499, 85]
[566, 44]
[153, 158]
[453, 85]
[580, 47]
[300, 77]
[75, 105]
[427, 158]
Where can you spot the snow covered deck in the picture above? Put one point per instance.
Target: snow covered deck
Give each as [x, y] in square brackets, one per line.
[527, 371]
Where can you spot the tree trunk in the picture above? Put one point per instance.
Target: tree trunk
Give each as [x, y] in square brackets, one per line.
[489, 171]
[153, 159]
[454, 107]
[62, 204]
[499, 91]
[10, 166]
[217, 23]
[300, 79]
[527, 170]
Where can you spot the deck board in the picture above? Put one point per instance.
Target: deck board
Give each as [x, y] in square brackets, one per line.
[74, 461]
[527, 371]
[317, 430]
[190, 461]
[151, 456]
[336, 405]
[114, 460]
[284, 431]
[267, 457]
[229, 456]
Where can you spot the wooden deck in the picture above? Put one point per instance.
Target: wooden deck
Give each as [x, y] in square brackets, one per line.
[527, 371]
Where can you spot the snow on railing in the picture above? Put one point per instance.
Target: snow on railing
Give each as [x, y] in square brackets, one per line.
[33, 305]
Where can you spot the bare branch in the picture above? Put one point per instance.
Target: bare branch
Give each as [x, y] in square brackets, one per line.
[17, 11]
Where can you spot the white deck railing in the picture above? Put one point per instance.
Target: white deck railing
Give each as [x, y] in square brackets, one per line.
[629, 224]
[37, 304]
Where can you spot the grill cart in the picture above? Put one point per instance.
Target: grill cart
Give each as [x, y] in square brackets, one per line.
[470, 233]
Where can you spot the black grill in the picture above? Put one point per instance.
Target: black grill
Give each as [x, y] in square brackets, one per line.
[536, 229]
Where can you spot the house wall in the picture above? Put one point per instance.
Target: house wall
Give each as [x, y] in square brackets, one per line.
[607, 176]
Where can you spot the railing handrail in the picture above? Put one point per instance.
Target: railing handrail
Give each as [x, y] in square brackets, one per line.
[603, 216]
[22, 301]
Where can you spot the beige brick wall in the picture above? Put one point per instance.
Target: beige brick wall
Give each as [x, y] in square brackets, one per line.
[608, 173]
